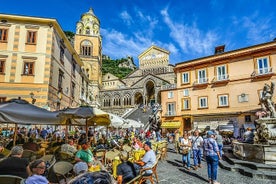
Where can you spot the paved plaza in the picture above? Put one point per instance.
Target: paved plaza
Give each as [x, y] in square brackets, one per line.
[171, 171]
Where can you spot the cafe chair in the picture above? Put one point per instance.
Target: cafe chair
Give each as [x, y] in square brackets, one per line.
[63, 171]
[29, 155]
[144, 177]
[10, 179]
[64, 156]
[100, 155]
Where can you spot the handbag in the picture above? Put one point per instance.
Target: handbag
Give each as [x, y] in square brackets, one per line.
[185, 151]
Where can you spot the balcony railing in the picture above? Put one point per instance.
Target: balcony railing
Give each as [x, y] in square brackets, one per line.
[262, 71]
[201, 81]
[168, 86]
[220, 78]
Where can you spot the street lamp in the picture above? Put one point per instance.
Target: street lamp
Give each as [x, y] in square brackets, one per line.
[33, 98]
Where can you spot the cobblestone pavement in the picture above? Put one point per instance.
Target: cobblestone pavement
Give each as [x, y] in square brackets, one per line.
[171, 171]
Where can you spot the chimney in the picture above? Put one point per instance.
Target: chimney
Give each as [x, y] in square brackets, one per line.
[219, 49]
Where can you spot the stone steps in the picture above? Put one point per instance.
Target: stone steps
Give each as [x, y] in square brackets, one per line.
[247, 168]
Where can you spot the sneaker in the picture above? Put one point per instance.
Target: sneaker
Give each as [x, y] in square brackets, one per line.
[215, 182]
[195, 167]
[210, 181]
[199, 166]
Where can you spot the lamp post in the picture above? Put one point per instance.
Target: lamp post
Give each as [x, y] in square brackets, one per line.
[33, 98]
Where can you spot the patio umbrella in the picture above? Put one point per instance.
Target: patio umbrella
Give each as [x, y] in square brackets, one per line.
[20, 111]
[132, 123]
[86, 115]
[116, 121]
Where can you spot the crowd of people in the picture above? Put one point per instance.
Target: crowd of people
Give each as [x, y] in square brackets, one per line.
[76, 144]
[193, 144]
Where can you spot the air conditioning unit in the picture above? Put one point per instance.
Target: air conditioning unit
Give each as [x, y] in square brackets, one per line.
[243, 95]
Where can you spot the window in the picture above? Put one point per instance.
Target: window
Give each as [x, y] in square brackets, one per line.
[185, 77]
[170, 109]
[221, 73]
[31, 37]
[186, 104]
[2, 66]
[73, 90]
[263, 65]
[3, 35]
[247, 118]
[223, 100]
[186, 92]
[203, 102]
[86, 48]
[202, 76]
[60, 79]
[61, 54]
[170, 94]
[3, 99]
[28, 68]
[73, 68]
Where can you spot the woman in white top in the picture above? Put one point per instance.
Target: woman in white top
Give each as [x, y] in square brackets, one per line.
[186, 144]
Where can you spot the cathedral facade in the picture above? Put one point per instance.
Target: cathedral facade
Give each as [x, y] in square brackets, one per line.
[142, 86]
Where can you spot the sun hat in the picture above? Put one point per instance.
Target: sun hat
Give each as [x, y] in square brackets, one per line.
[80, 167]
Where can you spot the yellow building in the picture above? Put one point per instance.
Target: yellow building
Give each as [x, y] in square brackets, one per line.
[219, 89]
[39, 64]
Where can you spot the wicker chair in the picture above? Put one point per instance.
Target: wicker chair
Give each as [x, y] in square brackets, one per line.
[10, 179]
[144, 177]
[29, 154]
[63, 171]
[100, 155]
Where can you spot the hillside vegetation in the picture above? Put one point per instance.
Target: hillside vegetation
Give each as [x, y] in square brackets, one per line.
[112, 66]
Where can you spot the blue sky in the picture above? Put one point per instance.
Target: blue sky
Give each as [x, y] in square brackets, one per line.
[189, 29]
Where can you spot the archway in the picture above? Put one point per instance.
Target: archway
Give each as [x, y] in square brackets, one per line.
[150, 93]
[138, 99]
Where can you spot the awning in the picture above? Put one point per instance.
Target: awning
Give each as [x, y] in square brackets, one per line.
[171, 124]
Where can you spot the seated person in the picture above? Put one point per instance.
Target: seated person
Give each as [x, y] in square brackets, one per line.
[37, 169]
[2, 155]
[30, 145]
[136, 143]
[15, 165]
[125, 170]
[85, 154]
[149, 158]
[19, 140]
[80, 168]
[69, 147]
[58, 142]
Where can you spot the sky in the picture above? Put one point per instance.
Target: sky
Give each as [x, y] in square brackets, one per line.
[188, 29]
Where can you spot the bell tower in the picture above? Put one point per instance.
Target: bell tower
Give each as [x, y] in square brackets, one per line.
[88, 44]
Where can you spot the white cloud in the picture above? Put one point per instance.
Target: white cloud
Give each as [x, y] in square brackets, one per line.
[189, 38]
[126, 17]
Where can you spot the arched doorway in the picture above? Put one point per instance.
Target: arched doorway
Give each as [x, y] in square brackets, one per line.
[150, 93]
[138, 99]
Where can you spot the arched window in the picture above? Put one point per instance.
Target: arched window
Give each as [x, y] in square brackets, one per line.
[87, 31]
[117, 100]
[86, 48]
[127, 100]
[106, 101]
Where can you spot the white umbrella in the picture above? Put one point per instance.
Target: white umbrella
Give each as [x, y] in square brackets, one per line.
[132, 123]
[116, 121]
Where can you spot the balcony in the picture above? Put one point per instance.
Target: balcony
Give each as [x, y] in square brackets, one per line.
[168, 114]
[201, 83]
[262, 74]
[220, 80]
[168, 87]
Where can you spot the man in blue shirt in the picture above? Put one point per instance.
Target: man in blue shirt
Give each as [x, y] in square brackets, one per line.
[211, 152]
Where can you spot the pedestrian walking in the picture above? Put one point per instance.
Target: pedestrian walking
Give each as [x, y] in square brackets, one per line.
[211, 152]
[197, 142]
[185, 147]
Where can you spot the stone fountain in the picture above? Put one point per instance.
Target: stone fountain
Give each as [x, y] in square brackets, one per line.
[264, 148]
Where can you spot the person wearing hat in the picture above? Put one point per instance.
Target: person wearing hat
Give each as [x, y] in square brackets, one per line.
[149, 158]
[80, 167]
[14, 164]
[85, 154]
[125, 170]
[211, 152]
[37, 168]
